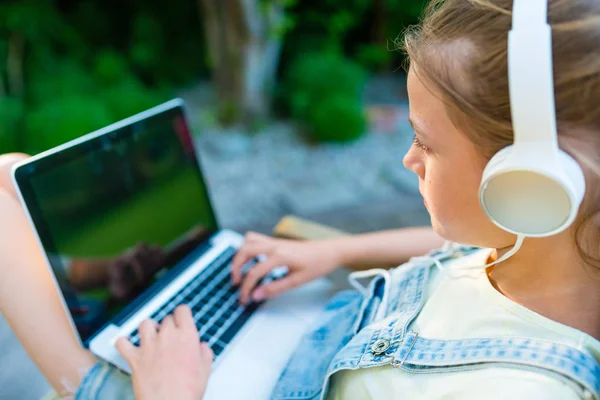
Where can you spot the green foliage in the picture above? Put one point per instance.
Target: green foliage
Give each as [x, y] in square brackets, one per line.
[322, 25]
[337, 119]
[146, 39]
[321, 86]
[109, 68]
[66, 118]
[327, 81]
[57, 79]
[73, 114]
[88, 64]
[316, 76]
[130, 97]
[406, 12]
[119, 89]
[11, 113]
[373, 57]
[348, 26]
[70, 101]
[286, 23]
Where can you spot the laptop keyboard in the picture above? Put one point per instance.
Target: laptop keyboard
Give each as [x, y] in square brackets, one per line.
[214, 303]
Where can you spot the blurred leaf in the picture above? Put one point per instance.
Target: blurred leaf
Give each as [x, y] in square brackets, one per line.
[110, 68]
[65, 118]
[286, 25]
[337, 119]
[146, 41]
[373, 56]
[129, 97]
[37, 20]
[321, 75]
[59, 79]
[341, 22]
[11, 116]
[89, 63]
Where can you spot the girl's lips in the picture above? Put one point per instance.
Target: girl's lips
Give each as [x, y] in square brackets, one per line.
[424, 201]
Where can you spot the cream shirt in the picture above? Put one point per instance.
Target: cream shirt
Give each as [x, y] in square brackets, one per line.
[464, 305]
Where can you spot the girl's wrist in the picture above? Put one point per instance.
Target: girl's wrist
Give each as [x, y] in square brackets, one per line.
[340, 251]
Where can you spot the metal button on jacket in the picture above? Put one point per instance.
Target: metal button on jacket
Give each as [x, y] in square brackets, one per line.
[380, 346]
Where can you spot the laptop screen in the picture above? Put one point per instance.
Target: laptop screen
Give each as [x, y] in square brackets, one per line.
[116, 212]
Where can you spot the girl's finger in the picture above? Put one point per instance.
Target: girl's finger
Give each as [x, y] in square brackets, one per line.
[148, 331]
[127, 350]
[167, 324]
[255, 274]
[184, 318]
[246, 253]
[207, 352]
[277, 287]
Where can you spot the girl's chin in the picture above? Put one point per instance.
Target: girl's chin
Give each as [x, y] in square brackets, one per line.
[439, 229]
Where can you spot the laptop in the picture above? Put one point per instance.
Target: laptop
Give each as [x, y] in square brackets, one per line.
[126, 222]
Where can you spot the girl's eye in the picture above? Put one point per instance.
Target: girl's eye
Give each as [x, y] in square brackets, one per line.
[420, 145]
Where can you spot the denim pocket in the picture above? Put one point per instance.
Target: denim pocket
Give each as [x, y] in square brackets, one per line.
[104, 382]
[305, 372]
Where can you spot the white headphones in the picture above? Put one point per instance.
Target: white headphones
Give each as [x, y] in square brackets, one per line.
[532, 188]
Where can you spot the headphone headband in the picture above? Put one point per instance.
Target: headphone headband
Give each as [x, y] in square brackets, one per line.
[528, 14]
[531, 82]
[532, 188]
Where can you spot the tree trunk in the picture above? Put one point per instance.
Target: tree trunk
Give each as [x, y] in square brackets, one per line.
[244, 54]
[16, 48]
[379, 27]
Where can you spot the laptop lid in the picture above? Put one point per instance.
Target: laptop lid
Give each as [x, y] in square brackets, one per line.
[116, 210]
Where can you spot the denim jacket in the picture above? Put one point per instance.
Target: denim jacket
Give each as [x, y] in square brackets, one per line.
[371, 329]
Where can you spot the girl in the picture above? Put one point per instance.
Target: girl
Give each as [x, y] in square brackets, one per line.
[526, 327]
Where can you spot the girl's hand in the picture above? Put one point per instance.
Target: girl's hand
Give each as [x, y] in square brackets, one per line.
[170, 363]
[306, 260]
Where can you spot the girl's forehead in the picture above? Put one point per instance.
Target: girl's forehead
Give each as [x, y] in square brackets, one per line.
[427, 111]
[429, 115]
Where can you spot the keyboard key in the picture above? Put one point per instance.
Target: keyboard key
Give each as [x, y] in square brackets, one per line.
[204, 338]
[187, 299]
[196, 307]
[212, 330]
[217, 304]
[217, 349]
[238, 323]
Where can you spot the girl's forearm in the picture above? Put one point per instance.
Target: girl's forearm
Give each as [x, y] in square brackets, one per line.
[388, 248]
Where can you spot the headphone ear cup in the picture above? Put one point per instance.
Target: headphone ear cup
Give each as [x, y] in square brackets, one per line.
[497, 162]
[533, 199]
[574, 180]
[574, 177]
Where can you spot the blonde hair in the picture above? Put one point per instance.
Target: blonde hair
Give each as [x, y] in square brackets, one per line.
[460, 48]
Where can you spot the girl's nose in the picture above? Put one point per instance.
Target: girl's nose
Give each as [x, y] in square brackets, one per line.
[413, 162]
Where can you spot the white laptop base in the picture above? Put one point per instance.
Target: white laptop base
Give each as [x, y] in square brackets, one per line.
[253, 361]
[251, 366]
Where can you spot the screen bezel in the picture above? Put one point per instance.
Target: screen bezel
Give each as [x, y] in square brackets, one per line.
[24, 171]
